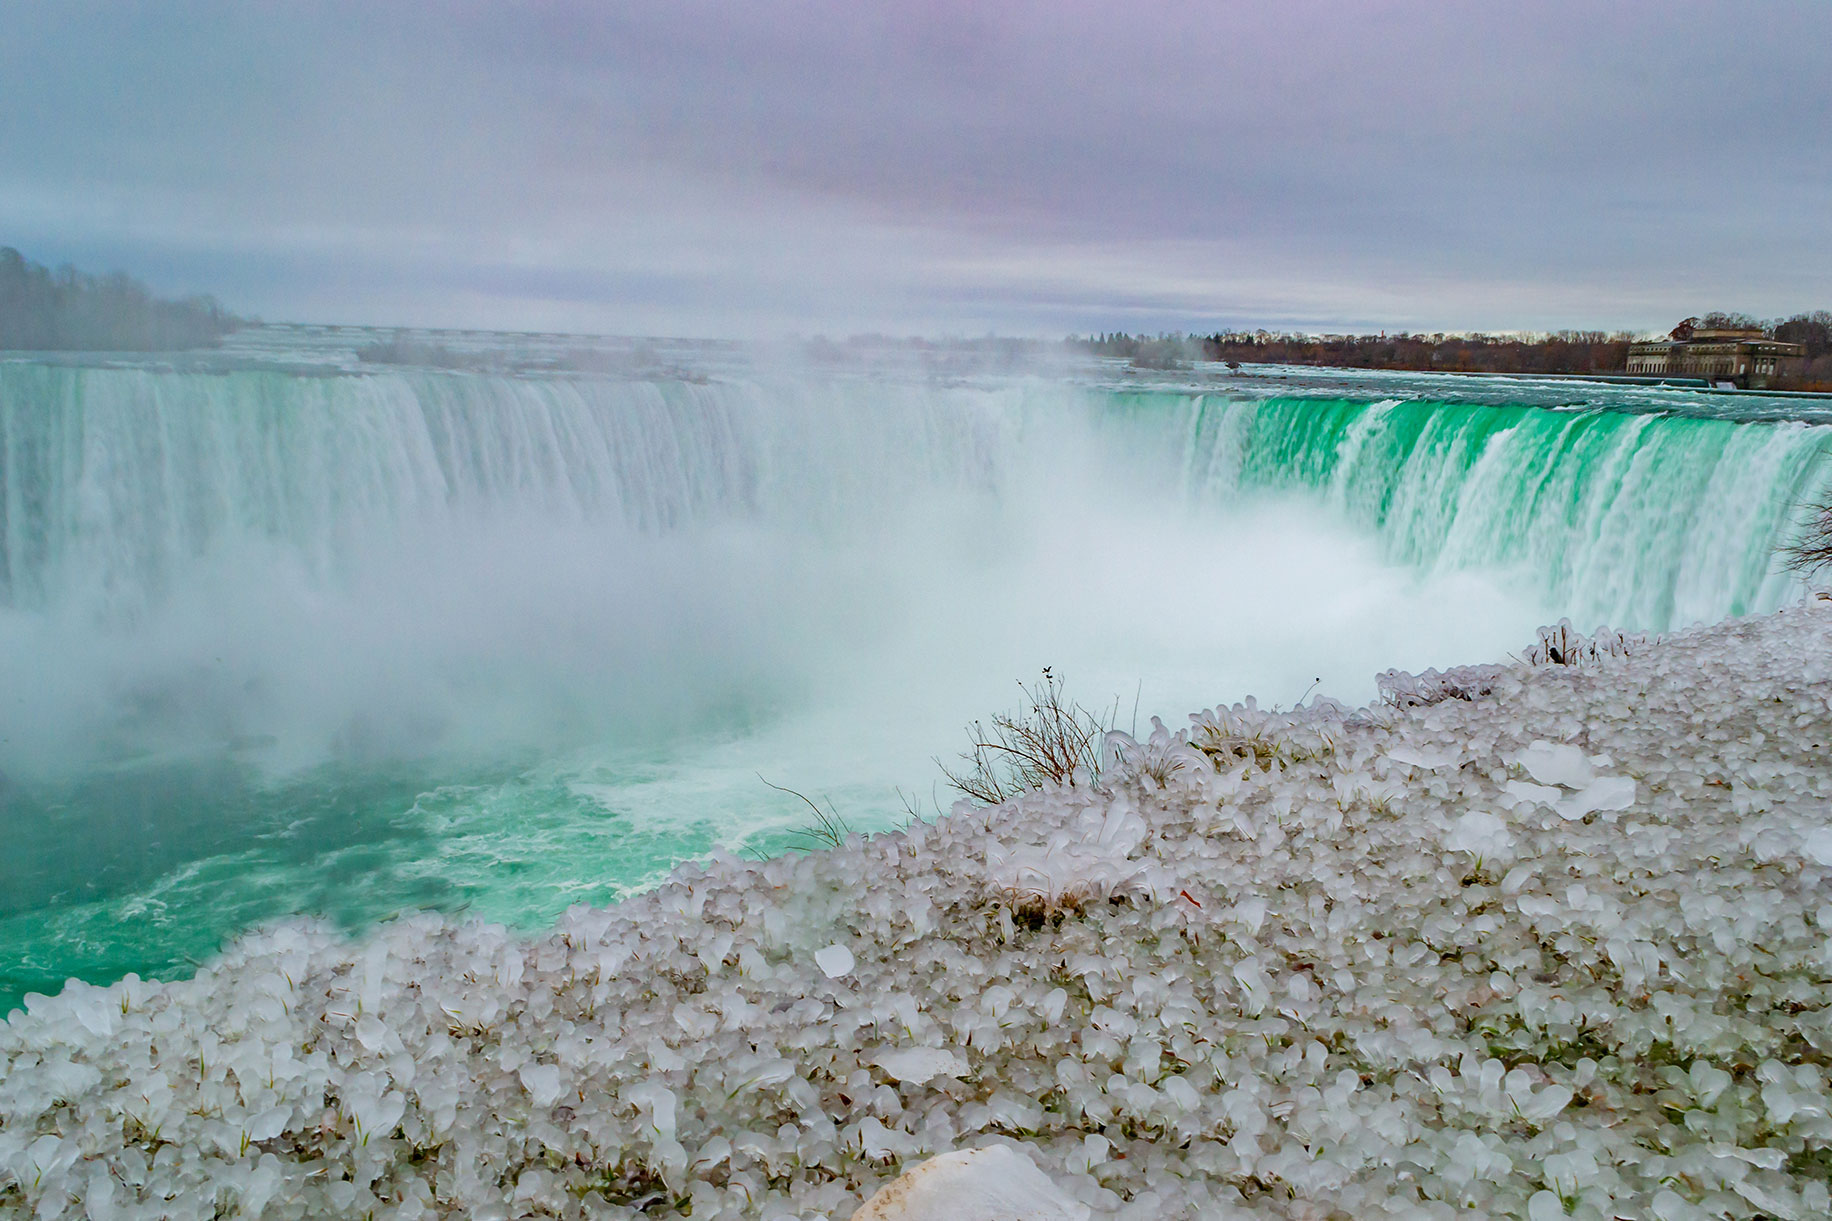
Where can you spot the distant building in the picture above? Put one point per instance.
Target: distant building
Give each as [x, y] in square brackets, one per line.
[1742, 356]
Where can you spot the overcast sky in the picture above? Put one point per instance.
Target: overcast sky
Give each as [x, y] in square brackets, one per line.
[760, 168]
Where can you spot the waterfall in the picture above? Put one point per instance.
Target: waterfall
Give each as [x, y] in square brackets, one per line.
[112, 480]
[358, 642]
[1636, 520]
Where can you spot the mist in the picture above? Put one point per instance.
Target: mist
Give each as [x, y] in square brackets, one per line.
[497, 589]
[866, 548]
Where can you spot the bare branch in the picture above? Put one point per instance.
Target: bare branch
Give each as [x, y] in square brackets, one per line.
[828, 827]
[1813, 549]
[1049, 741]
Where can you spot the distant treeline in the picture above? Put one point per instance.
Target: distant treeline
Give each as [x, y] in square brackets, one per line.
[1814, 332]
[1560, 352]
[43, 310]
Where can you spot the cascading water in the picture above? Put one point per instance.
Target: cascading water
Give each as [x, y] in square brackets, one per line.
[352, 644]
[1635, 520]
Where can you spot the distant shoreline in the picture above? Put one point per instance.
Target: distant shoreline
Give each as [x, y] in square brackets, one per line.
[1695, 385]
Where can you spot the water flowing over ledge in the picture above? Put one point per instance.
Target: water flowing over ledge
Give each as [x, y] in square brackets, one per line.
[1561, 945]
[353, 644]
[112, 481]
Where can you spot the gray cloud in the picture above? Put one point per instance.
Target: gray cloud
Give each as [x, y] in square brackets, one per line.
[753, 168]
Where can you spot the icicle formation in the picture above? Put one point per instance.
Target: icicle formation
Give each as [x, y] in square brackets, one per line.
[1403, 690]
[1562, 645]
[1558, 645]
[1559, 951]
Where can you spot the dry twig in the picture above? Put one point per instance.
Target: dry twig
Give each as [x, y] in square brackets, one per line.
[1049, 741]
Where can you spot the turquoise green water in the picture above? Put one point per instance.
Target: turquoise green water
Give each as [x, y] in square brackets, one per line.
[151, 869]
[345, 646]
[1635, 520]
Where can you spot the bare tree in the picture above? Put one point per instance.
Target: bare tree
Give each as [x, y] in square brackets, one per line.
[42, 310]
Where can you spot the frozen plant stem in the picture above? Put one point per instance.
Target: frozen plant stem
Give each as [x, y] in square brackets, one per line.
[828, 829]
[1049, 741]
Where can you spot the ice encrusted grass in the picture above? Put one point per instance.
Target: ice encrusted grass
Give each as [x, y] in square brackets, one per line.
[1554, 947]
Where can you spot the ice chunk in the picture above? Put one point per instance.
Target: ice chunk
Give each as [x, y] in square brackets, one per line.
[1087, 860]
[919, 1064]
[1605, 793]
[1816, 846]
[1419, 757]
[93, 1007]
[834, 961]
[371, 1033]
[876, 1141]
[269, 1123]
[262, 1184]
[1708, 1081]
[374, 1114]
[1404, 690]
[1547, 1103]
[543, 1083]
[1480, 833]
[1521, 792]
[658, 1102]
[1544, 1206]
[1549, 764]
[992, 1184]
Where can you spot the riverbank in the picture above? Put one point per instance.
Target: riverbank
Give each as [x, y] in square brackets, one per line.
[1559, 946]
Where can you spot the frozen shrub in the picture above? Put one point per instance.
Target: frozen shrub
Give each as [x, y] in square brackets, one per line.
[1403, 690]
[1049, 741]
[1265, 738]
[1563, 645]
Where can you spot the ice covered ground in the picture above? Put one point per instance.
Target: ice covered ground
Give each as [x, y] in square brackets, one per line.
[1538, 940]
